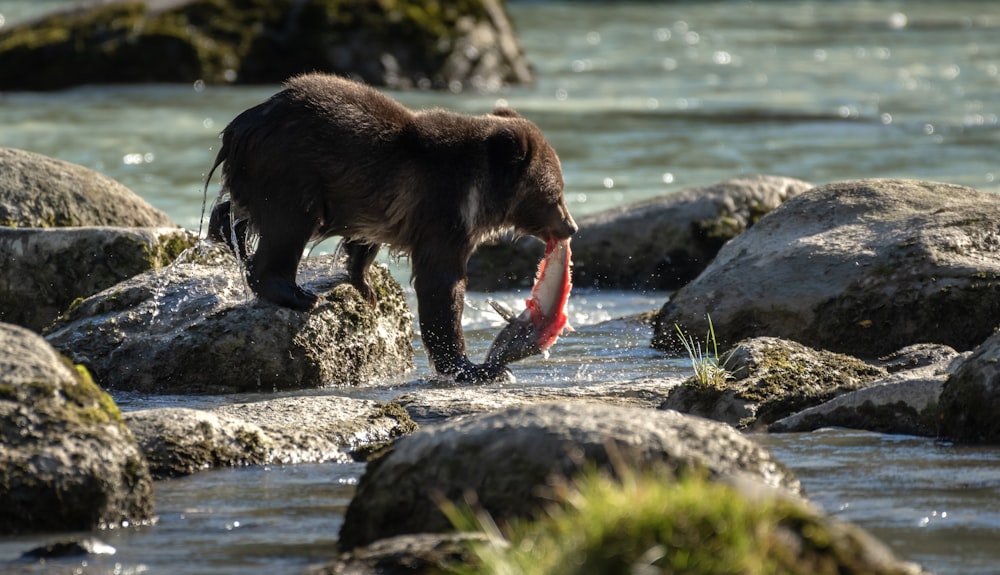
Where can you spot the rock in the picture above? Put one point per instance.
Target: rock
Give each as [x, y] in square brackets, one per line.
[504, 458]
[423, 553]
[660, 243]
[919, 355]
[82, 546]
[193, 328]
[46, 269]
[67, 461]
[41, 192]
[180, 441]
[770, 379]
[434, 405]
[453, 44]
[861, 267]
[970, 401]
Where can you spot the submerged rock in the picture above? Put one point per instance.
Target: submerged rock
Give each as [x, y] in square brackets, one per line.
[46, 269]
[660, 243]
[41, 192]
[452, 44]
[181, 441]
[970, 400]
[67, 461]
[194, 328]
[860, 267]
[769, 378]
[503, 460]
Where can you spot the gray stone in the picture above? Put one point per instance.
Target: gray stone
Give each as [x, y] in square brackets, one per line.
[193, 328]
[770, 378]
[422, 553]
[659, 243]
[67, 461]
[181, 441]
[970, 400]
[503, 460]
[46, 269]
[860, 267]
[41, 192]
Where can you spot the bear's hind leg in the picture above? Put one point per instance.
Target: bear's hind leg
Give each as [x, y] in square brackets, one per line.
[360, 256]
[272, 268]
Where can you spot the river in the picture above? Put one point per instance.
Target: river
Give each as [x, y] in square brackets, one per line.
[639, 99]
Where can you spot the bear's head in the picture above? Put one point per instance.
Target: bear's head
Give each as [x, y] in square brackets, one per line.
[530, 179]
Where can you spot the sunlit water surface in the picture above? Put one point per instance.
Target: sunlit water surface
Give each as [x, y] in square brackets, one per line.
[639, 100]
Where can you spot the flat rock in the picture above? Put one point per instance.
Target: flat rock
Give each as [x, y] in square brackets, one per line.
[503, 459]
[181, 441]
[46, 269]
[37, 191]
[660, 243]
[770, 378]
[860, 267]
[67, 460]
[195, 328]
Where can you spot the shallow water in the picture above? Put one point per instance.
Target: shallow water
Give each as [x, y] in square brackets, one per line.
[639, 99]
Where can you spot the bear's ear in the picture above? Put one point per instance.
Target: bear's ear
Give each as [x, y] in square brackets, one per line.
[507, 147]
[505, 112]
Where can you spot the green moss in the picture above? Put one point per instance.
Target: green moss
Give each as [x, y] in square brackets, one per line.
[646, 523]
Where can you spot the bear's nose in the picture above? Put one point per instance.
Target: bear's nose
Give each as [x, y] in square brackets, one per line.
[570, 226]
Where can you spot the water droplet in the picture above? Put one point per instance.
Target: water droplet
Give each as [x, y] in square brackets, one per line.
[501, 103]
[148, 157]
[669, 64]
[722, 58]
[229, 75]
[581, 198]
[897, 20]
[199, 85]
[928, 129]
[663, 34]
[208, 123]
[609, 183]
[2, 20]
[886, 118]
[652, 103]
[819, 55]
[668, 178]
[692, 38]
[561, 94]
[593, 38]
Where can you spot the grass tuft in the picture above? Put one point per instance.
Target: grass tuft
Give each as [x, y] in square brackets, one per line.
[710, 370]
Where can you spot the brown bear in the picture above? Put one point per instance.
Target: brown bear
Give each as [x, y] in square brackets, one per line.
[327, 156]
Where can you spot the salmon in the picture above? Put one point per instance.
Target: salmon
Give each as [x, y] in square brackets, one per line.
[544, 318]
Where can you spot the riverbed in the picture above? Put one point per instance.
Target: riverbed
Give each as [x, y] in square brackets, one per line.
[639, 99]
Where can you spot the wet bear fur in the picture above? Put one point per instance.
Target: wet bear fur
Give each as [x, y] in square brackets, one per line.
[328, 156]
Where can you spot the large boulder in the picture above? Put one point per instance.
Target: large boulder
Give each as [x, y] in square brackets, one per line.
[504, 458]
[181, 441]
[46, 269]
[451, 44]
[970, 401]
[862, 267]
[67, 460]
[41, 192]
[660, 243]
[196, 328]
[765, 379]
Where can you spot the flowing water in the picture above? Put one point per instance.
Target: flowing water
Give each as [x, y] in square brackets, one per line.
[639, 99]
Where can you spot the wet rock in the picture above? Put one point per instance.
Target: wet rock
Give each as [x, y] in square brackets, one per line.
[181, 441]
[41, 192]
[770, 378]
[46, 269]
[451, 45]
[435, 405]
[423, 553]
[67, 461]
[193, 328]
[660, 243]
[970, 400]
[860, 267]
[70, 548]
[919, 355]
[505, 458]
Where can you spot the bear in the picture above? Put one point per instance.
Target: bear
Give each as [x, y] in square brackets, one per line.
[327, 156]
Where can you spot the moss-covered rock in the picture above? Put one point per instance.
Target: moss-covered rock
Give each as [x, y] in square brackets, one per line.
[505, 458]
[769, 379]
[645, 523]
[67, 460]
[193, 328]
[660, 243]
[41, 192]
[181, 441]
[47, 269]
[861, 267]
[397, 43]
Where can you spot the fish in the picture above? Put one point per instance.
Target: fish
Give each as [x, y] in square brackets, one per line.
[544, 318]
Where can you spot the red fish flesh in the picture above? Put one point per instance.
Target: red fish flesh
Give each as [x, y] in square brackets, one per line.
[544, 317]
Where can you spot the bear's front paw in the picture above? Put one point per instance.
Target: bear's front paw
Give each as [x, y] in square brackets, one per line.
[484, 373]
